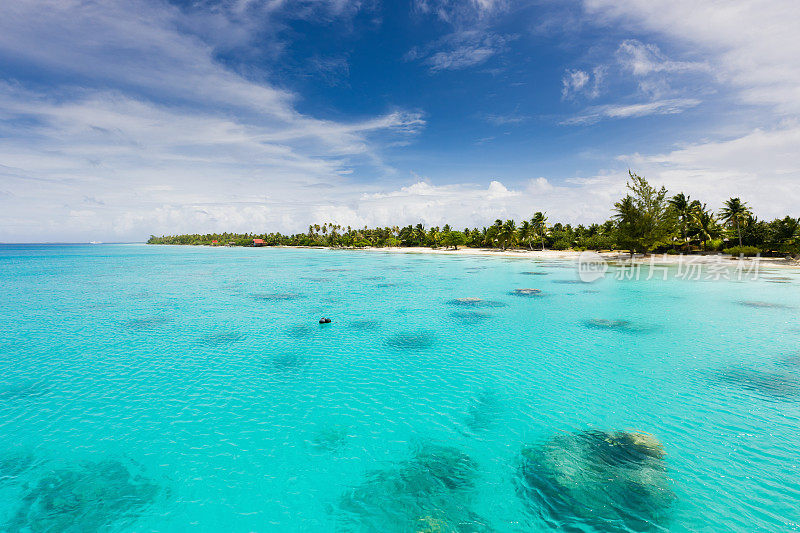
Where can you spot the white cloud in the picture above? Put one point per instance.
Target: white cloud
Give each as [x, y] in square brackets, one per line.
[617, 111]
[577, 81]
[760, 167]
[459, 50]
[460, 11]
[170, 131]
[643, 59]
[753, 43]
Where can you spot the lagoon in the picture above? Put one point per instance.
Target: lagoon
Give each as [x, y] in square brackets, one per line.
[174, 388]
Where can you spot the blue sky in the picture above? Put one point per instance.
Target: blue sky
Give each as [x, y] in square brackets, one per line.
[119, 119]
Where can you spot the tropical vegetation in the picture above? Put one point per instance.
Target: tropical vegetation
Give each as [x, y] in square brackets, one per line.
[646, 220]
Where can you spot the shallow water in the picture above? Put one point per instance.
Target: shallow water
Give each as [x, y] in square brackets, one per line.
[174, 388]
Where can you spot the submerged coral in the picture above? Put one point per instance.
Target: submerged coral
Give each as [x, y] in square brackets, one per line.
[432, 491]
[475, 303]
[417, 340]
[470, 316]
[364, 325]
[595, 480]
[482, 412]
[526, 292]
[780, 385]
[220, 339]
[330, 438]
[625, 326]
[274, 296]
[89, 497]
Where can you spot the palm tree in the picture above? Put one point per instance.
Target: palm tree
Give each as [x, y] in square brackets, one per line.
[526, 233]
[734, 213]
[706, 224]
[539, 223]
[507, 233]
[684, 209]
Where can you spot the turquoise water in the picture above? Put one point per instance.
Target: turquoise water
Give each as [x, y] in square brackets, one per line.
[179, 388]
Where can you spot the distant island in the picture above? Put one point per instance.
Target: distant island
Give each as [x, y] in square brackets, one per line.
[646, 220]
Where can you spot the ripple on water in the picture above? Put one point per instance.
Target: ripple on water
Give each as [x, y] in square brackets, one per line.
[12, 466]
[597, 481]
[764, 305]
[288, 362]
[412, 340]
[365, 325]
[153, 322]
[534, 273]
[624, 326]
[222, 338]
[475, 303]
[274, 296]
[330, 438]
[86, 497]
[431, 491]
[27, 390]
[471, 317]
[780, 385]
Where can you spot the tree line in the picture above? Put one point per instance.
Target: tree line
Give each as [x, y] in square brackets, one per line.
[646, 220]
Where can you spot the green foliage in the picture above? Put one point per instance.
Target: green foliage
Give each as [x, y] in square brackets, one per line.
[645, 220]
[746, 251]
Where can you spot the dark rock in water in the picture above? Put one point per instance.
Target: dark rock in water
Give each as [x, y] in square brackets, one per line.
[470, 317]
[220, 339]
[765, 305]
[431, 492]
[324, 320]
[475, 303]
[274, 296]
[418, 340]
[91, 497]
[597, 481]
[777, 385]
[526, 292]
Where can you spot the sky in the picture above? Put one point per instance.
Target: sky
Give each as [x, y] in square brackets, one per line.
[125, 118]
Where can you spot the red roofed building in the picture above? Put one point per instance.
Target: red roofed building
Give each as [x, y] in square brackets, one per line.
[258, 242]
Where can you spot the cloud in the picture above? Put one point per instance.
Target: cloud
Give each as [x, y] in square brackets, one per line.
[618, 111]
[145, 123]
[505, 120]
[460, 11]
[753, 43]
[761, 167]
[459, 50]
[576, 81]
[643, 59]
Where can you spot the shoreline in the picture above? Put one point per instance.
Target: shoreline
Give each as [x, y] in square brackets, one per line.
[575, 256]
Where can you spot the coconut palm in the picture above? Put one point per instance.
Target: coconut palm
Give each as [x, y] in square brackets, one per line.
[507, 234]
[539, 223]
[734, 214]
[526, 233]
[684, 209]
[706, 225]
